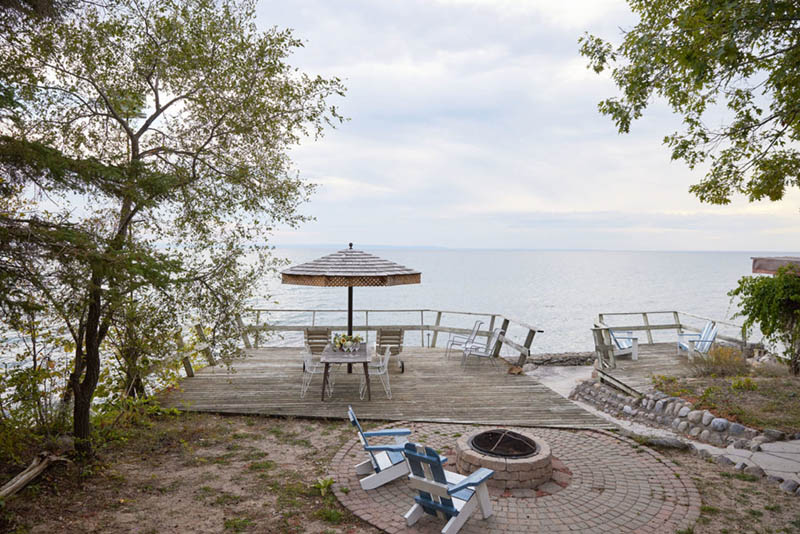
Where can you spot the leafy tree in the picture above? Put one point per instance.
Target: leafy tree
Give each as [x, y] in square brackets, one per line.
[773, 303]
[703, 57]
[171, 118]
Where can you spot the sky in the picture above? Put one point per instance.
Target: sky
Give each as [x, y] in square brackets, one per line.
[474, 124]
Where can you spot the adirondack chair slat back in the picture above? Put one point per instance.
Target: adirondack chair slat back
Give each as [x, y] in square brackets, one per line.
[390, 337]
[426, 463]
[317, 338]
[706, 338]
[361, 437]
[621, 343]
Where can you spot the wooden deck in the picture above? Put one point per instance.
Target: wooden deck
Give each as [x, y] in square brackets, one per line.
[635, 376]
[432, 389]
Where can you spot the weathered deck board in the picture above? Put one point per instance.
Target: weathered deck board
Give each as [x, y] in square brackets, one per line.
[654, 359]
[431, 389]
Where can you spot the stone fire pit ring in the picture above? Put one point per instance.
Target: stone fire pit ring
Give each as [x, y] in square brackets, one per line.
[509, 473]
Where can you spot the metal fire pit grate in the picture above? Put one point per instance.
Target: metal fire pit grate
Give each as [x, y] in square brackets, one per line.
[504, 444]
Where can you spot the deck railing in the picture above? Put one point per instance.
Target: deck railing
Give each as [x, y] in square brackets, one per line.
[641, 322]
[434, 328]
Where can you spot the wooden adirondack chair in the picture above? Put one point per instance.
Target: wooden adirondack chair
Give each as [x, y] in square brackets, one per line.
[445, 494]
[625, 343]
[701, 343]
[386, 462]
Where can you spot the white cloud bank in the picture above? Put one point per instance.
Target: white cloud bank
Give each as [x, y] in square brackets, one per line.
[474, 123]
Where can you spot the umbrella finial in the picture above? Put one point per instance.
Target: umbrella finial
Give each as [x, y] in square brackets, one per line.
[351, 246]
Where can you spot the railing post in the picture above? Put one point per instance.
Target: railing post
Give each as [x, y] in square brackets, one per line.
[499, 346]
[491, 323]
[677, 322]
[313, 317]
[523, 355]
[205, 349]
[258, 329]
[243, 332]
[421, 331]
[187, 363]
[436, 331]
[647, 324]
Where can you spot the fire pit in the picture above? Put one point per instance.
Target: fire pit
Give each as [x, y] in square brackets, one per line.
[519, 459]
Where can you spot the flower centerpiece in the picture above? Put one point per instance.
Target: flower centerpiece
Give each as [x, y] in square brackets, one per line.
[346, 343]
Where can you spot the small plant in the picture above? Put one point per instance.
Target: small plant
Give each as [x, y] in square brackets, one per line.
[744, 383]
[264, 465]
[345, 490]
[706, 509]
[330, 515]
[322, 485]
[237, 524]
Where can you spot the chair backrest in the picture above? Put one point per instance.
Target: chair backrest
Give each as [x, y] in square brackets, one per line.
[620, 343]
[361, 437]
[317, 338]
[389, 337]
[493, 340]
[707, 337]
[431, 482]
[474, 333]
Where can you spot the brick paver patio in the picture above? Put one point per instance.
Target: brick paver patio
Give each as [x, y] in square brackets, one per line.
[604, 483]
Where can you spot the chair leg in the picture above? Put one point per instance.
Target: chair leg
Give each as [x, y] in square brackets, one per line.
[414, 514]
[365, 468]
[484, 503]
[386, 386]
[456, 522]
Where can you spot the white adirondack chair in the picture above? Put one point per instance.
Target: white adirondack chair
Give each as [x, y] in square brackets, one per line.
[700, 343]
[386, 462]
[459, 342]
[486, 351]
[447, 495]
[625, 344]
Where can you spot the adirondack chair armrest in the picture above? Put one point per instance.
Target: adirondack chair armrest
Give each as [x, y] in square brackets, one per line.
[684, 334]
[388, 433]
[388, 448]
[632, 338]
[475, 479]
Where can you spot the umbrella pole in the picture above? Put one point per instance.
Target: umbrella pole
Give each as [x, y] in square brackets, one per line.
[349, 320]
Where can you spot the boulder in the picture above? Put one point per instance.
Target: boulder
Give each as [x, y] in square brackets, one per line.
[668, 443]
[735, 429]
[755, 471]
[707, 417]
[774, 435]
[724, 460]
[740, 444]
[683, 412]
[683, 426]
[789, 486]
[719, 424]
[695, 416]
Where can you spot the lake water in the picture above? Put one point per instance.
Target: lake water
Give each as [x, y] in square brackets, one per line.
[560, 292]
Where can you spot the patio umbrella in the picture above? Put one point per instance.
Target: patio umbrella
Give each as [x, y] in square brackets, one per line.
[350, 268]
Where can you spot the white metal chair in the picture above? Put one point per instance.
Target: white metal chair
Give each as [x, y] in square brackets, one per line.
[460, 342]
[311, 368]
[625, 344]
[381, 370]
[486, 351]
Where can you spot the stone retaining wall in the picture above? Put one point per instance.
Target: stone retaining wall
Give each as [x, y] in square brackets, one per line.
[660, 410]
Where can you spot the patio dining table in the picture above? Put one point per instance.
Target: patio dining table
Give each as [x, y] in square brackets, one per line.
[330, 355]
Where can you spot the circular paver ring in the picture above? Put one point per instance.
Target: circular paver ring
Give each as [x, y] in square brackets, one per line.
[616, 486]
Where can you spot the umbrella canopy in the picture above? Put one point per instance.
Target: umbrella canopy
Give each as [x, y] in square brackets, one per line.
[770, 265]
[350, 268]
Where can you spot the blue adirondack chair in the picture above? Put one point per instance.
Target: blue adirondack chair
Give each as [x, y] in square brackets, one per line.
[386, 462]
[444, 494]
[626, 343]
[698, 343]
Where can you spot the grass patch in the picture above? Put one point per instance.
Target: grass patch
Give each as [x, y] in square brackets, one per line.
[330, 515]
[755, 401]
[739, 476]
[706, 509]
[237, 524]
[265, 465]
